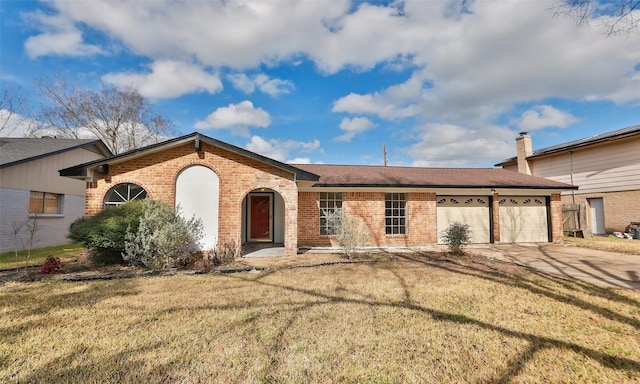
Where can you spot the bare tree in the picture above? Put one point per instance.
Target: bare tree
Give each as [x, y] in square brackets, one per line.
[11, 103]
[33, 227]
[120, 117]
[16, 236]
[623, 16]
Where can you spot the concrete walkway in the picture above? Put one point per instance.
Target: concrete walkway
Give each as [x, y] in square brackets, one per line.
[598, 267]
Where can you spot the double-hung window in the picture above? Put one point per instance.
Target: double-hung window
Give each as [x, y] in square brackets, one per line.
[43, 203]
[329, 203]
[395, 213]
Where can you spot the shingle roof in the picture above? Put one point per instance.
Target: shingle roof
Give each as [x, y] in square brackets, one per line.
[16, 150]
[381, 176]
[586, 141]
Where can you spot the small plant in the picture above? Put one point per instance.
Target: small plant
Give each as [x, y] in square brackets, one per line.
[456, 237]
[226, 253]
[347, 230]
[51, 264]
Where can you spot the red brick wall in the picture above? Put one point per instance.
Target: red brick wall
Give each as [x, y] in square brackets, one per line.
[495, 207]
[369, 209]
[555, 208]
[239, 175]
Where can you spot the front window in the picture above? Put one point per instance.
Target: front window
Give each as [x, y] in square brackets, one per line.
[122, 193]
[45, 203]
[395, 213]
[329, 202]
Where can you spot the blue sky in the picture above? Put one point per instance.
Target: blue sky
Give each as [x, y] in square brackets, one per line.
[441, 83]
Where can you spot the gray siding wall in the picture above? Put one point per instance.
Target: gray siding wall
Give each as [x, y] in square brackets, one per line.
[53, 229]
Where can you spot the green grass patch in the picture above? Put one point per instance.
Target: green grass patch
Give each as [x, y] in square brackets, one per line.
[408, 321]
[8, 259]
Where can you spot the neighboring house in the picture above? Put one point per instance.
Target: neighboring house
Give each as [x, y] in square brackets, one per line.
[605, 167]
[246, 197]
[32, 189]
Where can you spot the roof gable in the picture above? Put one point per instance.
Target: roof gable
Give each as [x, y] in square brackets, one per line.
[18, 150]
[82, 170]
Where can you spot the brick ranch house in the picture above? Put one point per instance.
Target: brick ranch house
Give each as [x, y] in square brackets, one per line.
[246, 197]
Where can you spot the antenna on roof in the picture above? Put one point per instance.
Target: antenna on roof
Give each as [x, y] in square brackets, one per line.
[384, 153]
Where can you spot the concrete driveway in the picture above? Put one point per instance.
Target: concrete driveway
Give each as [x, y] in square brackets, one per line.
[598, 267]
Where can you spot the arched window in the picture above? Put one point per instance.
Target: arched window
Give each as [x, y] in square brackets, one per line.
[122, 193]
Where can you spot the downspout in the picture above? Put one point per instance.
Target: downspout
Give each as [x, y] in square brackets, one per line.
[573, 191]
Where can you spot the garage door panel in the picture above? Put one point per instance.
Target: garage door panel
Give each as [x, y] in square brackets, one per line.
[523, 219]
[470, 210]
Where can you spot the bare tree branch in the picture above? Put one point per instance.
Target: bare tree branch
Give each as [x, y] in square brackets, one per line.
[618, 16]
[11, 103]
[120, 117]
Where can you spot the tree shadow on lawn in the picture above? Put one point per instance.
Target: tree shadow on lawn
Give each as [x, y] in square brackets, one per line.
[516, 365]
[538, 286]
[120, 363]
[90, 293]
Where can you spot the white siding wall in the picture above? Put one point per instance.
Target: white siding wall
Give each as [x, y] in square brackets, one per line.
[53, 229]
[606, 168]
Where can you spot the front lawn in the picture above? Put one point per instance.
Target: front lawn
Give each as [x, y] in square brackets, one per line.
[414, 320]
[8, 259]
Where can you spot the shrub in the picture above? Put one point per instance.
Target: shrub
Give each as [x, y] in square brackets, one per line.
[51, 264]
[104, 233]
[226, 253]
[347, 230]
[163, 238]
[456, 237]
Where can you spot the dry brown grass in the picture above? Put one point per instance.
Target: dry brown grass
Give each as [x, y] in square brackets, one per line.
[631, 247]
[414, 320]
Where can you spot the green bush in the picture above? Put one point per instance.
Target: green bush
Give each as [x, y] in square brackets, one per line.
[163, 237]
[456, 237]
[104, 233]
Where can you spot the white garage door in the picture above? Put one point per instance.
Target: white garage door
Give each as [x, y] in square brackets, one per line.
[523, 219]
[470, 210]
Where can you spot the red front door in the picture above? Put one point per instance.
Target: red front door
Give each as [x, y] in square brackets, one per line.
[260, 221]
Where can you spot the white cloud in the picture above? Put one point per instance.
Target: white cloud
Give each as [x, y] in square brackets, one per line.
[168, 79]
[270, 86]
[353, 126]
[299, 160]
[59, 36]
[469, 68]
[398, 101]
[475, 64]
[279, 149]
[242, 82]
[443, 145]
[14, 124]
[236, 116]
[544, 116]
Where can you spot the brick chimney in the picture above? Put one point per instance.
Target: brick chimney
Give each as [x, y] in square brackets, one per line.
[524, 148]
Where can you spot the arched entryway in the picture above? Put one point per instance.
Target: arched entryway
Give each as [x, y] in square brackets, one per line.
[263, 218]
